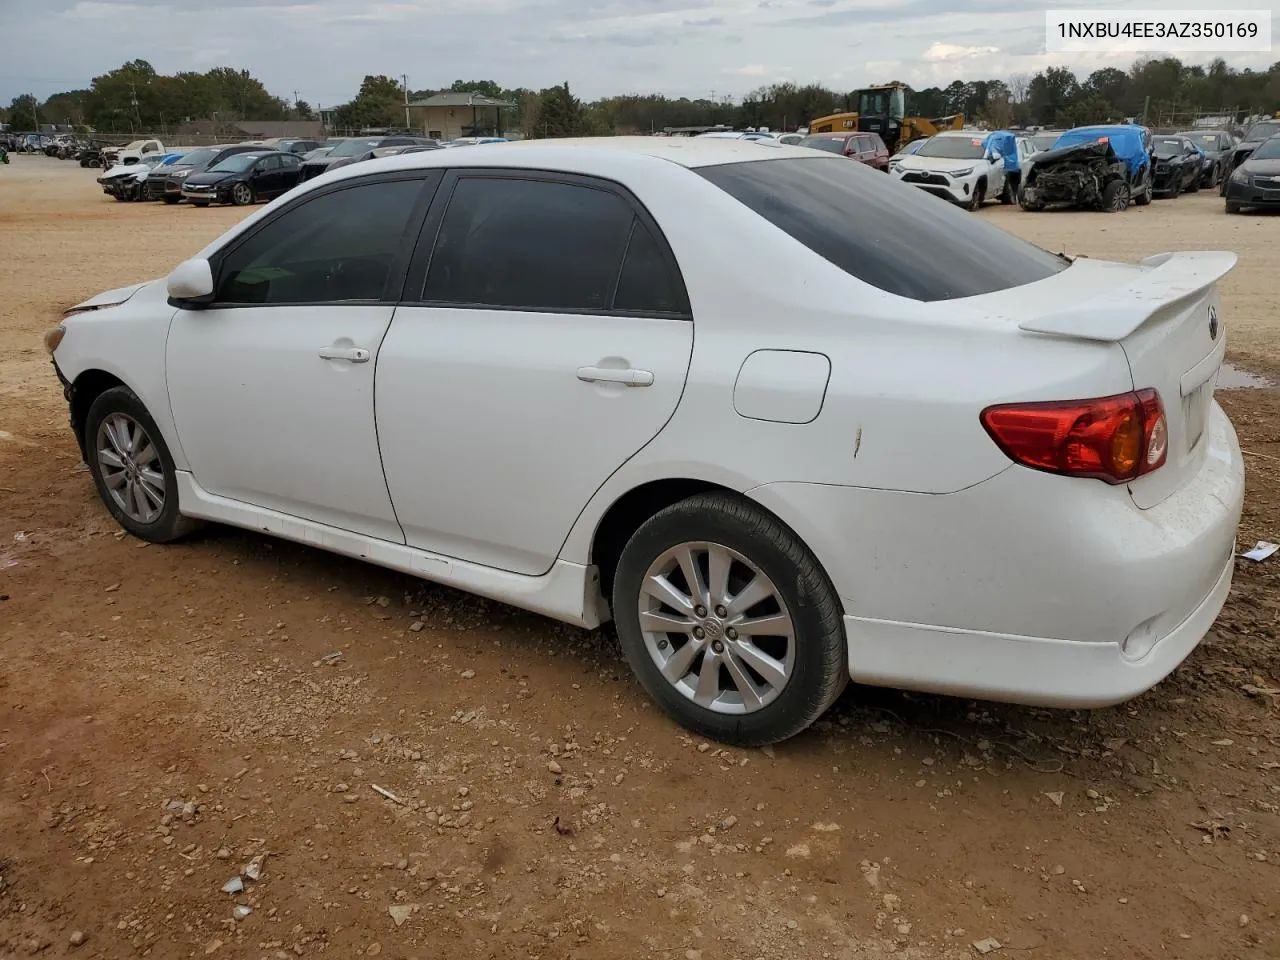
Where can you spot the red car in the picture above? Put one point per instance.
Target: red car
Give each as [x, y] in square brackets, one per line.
[866, 148]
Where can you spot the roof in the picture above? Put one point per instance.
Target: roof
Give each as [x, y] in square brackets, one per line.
[460, 100]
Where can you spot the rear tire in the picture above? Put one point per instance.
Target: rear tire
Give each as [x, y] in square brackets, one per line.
[132, 467]
[686, 644]
[1143, 197]
[1115, 197]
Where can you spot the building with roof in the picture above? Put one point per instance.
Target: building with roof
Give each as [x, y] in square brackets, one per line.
[447, 116]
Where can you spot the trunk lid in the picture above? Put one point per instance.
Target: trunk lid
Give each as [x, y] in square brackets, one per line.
[1166, 317]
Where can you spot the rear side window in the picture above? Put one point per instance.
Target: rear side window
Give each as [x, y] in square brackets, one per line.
[886, 233]
[647, 283]
[529, 244]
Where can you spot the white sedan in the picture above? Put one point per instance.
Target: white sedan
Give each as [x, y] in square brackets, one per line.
[783, 420]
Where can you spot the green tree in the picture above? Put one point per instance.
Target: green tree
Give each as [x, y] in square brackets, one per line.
[22, 111]
[1050, 92]
[560, 114]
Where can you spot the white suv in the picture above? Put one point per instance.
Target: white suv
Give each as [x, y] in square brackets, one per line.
[959, 166]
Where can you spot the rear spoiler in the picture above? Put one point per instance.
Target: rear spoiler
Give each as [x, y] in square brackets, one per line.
[1172, 282]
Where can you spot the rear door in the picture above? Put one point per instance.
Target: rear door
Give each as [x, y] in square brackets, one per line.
[543, 340]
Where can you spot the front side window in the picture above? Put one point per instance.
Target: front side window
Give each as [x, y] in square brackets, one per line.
[335, 247]
[886, 233]
[529, 244]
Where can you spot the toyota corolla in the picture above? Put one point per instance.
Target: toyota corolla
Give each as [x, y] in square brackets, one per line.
[784, 420]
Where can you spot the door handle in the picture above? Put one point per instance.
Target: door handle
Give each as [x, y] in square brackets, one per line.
[353, 354]
[630, 377]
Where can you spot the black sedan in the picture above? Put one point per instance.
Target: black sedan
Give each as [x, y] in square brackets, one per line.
[1177, 166]
[1254, 137]
[1256, 182]
[165, 183]
[347, 150]
[243, 179]
[1216, 145]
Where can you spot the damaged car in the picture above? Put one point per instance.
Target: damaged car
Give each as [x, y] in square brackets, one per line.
[1103, 168]
[1177, 167]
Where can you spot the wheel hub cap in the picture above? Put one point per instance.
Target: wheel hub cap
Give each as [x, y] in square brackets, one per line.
[129, 463]
[717, 628]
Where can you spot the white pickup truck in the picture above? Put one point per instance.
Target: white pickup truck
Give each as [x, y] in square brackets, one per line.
[133, 152]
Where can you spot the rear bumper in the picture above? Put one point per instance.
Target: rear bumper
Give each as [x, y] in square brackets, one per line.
[1026, 588]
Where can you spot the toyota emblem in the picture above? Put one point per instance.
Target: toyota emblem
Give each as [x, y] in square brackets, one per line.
[1213, 323]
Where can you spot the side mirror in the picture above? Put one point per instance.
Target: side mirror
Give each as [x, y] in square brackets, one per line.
[191, 280]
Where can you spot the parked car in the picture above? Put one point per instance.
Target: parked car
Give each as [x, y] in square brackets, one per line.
[866, 148]
[244, 178]
[1257, 134]
[318, 152]
[124, 181]
[752, 501]
[1216, 145]
[92, 154]
[473, 141]
[1102, 168]
[386, 151]
[1256, 182]
[957, 165]
[297, 146]
[166, 183]
[349, 149]
[906, 150]
[1178, 164]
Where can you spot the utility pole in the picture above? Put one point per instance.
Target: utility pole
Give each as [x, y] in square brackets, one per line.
[407, 125]
[34, 118]
[133, 95]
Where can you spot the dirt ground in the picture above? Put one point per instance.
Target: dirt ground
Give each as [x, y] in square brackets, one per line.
[169, 714]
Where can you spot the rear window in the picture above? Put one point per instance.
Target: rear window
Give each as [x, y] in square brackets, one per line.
[886, 233]
[829, 144]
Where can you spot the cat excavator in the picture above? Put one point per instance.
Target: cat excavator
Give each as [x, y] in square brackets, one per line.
[883, 109]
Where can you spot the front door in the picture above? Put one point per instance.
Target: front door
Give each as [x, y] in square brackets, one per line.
[546, 343]
[272, 384]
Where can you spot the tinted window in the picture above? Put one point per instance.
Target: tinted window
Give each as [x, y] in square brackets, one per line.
[535, 244]
[338, 246]
[889, 234]
[290, 161]
[829, 144]
[1270, 150]
[646, 283]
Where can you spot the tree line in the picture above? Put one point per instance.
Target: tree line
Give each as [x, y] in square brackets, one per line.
[134, 97]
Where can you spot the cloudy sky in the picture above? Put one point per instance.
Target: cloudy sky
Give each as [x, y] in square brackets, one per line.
[322, 48]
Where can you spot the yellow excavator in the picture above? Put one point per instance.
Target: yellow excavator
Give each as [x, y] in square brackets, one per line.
[883, 109]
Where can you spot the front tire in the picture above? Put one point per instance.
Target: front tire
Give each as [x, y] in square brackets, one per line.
[1115, 197]
[241, 194]
[132, 467]
[1143, 197]
[979, 195]
[1233, 207]
[729, 622]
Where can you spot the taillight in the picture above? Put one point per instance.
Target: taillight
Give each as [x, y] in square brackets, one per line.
[1115, 439]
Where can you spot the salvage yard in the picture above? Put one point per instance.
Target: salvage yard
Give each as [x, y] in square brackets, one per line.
[411, 772]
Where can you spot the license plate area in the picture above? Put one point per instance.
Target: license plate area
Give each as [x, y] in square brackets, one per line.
[1194, 413]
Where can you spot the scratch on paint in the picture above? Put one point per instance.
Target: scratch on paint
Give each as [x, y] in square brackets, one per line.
[857, 443]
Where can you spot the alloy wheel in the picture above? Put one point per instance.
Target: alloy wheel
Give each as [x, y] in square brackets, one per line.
[241, 193]
[131, 468]
[717, 628]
